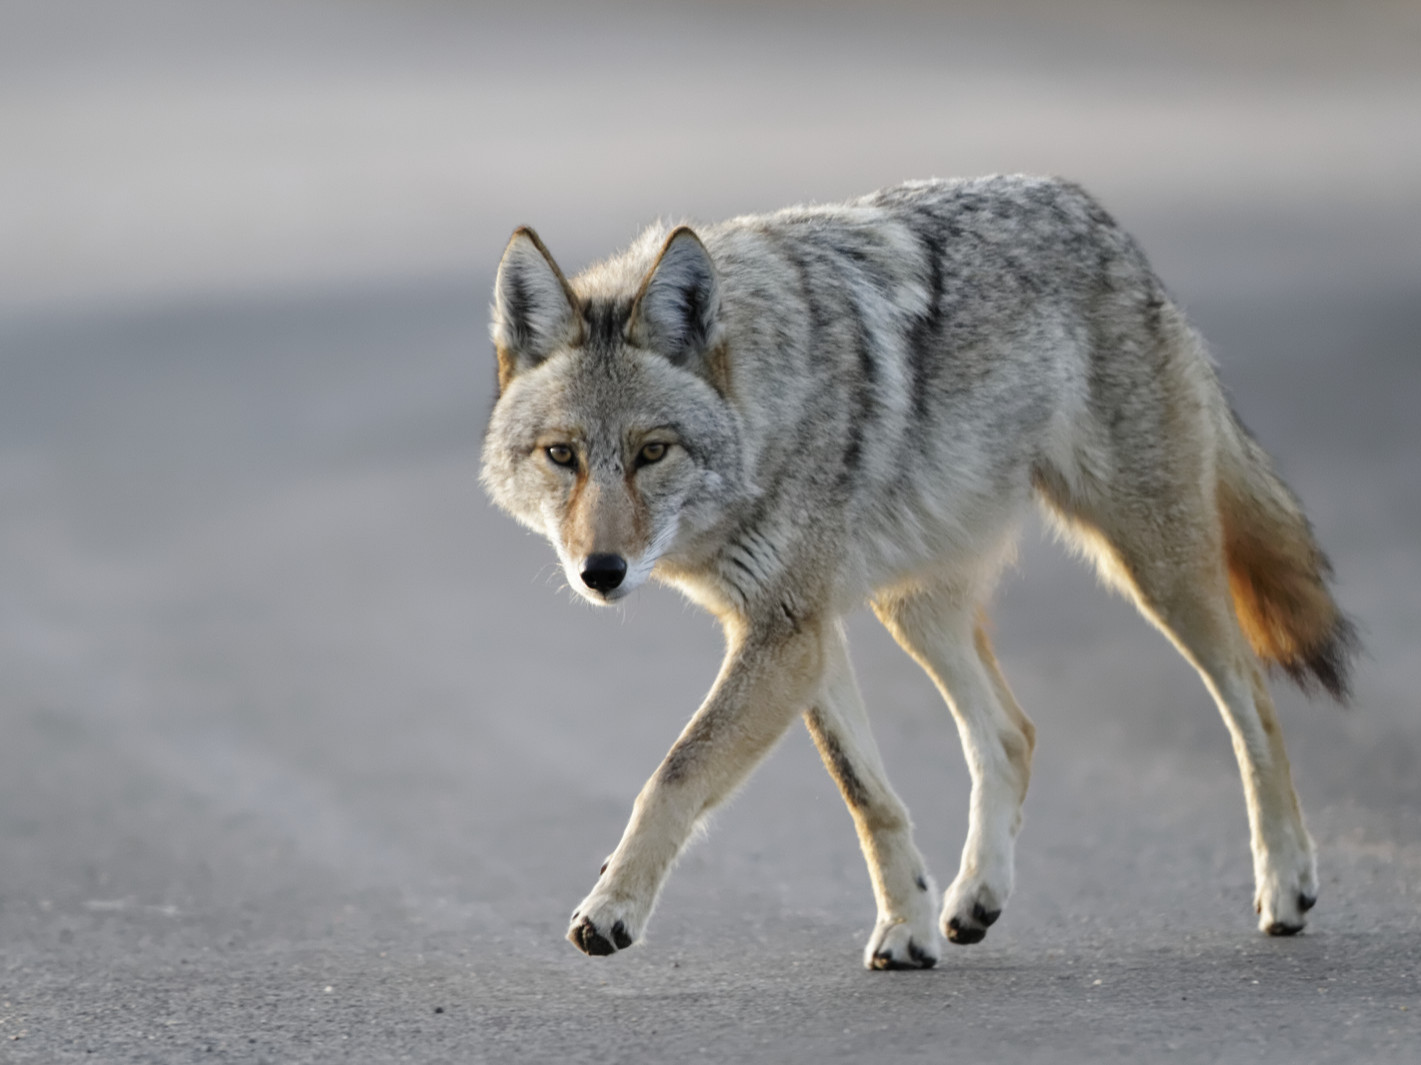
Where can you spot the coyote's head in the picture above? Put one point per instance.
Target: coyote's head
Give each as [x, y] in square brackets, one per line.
[612, 434]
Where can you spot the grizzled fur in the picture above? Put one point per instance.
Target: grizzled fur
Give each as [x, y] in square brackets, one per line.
[788, 415]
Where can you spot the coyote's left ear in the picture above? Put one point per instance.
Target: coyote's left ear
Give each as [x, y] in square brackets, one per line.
[534, 308]
[677, 311]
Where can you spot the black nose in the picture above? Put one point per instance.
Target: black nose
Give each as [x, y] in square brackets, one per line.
[602, 573]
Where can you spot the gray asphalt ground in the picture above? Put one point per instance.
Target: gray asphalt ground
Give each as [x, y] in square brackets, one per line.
[306, 755]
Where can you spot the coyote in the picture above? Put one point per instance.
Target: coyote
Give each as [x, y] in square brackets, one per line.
[785, 415]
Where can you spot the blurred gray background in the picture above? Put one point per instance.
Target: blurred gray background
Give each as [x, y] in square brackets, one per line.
[306, 755]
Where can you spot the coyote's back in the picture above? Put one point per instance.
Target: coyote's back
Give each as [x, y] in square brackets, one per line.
[787, 414]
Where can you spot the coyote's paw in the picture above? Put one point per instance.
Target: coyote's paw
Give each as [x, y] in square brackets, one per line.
[971, 906]
[908, 941]
[897, 946]
[605, 923]
[1286, 891]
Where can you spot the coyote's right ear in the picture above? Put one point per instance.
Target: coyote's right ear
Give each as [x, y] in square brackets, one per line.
[534, 308]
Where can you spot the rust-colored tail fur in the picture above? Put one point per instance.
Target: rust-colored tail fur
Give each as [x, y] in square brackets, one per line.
[1277, 573]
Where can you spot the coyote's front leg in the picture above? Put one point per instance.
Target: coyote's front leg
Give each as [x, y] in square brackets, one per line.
[905, 936]
[936, 627]
[771, 672]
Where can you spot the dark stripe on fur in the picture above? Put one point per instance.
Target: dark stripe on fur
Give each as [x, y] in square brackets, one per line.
[862, 402]
[676, 766]
[606, 321]
[858, 413]
[925, 338]
[840, 768]
[819, 321]
[788, 251]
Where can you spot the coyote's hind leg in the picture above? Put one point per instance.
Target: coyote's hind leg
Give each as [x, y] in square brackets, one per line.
[937, 627]
[1175, 571]
[1194, 610]
[905, 935]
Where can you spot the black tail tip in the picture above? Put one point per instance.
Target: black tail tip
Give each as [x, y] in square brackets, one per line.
[1328, 664]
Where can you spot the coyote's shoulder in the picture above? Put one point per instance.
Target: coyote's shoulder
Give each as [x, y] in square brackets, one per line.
[789, 414]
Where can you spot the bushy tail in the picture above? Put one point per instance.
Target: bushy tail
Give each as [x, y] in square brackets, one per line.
[1277, 573]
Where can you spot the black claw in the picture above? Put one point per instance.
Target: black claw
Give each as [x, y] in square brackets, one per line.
[1278, 928]
[922, 883]
[603, 869]
[963, 935]
[620, 937]
[886, 962]
[919, 959]
[590, 941]
[984, 916]
[1306, 902]
[923, 959]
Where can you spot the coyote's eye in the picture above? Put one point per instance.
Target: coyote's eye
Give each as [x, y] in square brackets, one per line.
[651, 453]
[561, 455]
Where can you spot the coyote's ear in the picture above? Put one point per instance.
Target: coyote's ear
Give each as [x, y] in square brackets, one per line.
[677, 311]
[534, 308]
